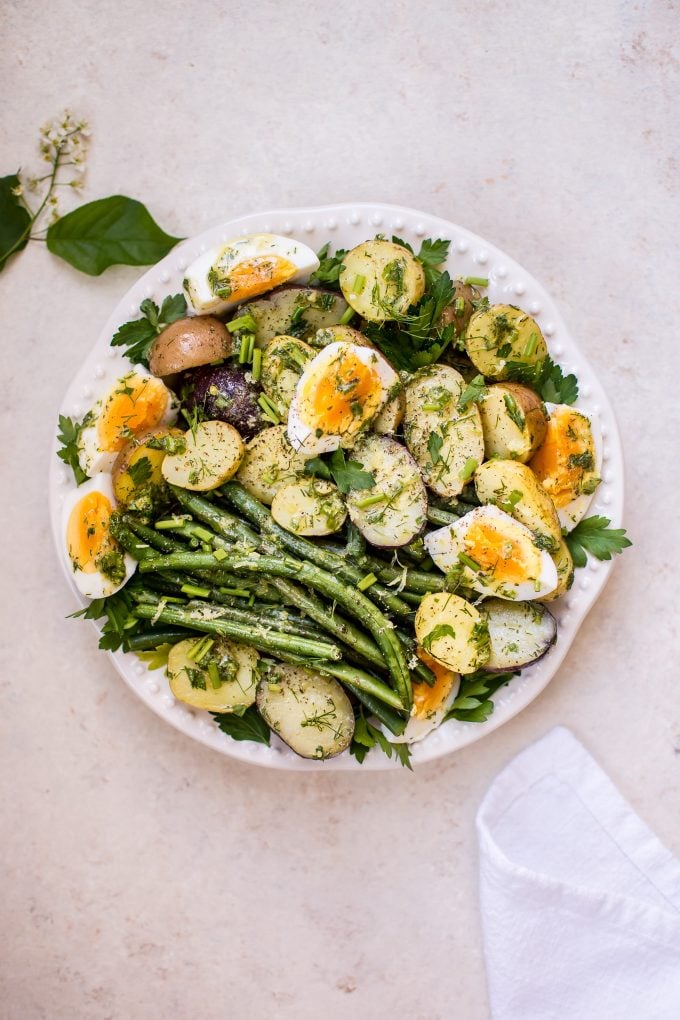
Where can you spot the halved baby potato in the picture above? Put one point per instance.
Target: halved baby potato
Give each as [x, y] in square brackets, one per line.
[214, 451]
[339, 334]
[224, 680]
[311, 507]
[446, 444]
[136, 474]
[452, 631]
[515, 488]
[283, 362]
[514, 420]
[301, 310]
[520, 633]
[309, 711]
[187, 343]
[394, 511]
[500, 334]
[381, 280]
[270, 463]
[459, 312]
[392, 414]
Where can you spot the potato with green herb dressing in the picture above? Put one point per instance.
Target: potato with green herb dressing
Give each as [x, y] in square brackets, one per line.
[213, 673]
[381, 280]
[514, 420]
[453, 632]
[502, 334]
[270, 462]
[309, 711]
[310, 507]
[514, 488]
[283, 362]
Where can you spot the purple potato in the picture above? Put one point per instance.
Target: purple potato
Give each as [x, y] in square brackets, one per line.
[227, 393]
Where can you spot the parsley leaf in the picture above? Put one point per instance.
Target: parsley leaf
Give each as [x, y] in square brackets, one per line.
[328, 272]
[547, 379]
[116, 608]
[139, 334]
[431, 255]
[157, 657]
[347, 474]
[473, 702]
[593, 535]
[249, 726]
[140, 471]
[367, 736]
[434, 445]
[438, 632]
[68, 436]
[473, 392]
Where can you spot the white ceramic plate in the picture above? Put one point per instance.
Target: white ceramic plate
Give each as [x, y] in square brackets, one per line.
[344, 226]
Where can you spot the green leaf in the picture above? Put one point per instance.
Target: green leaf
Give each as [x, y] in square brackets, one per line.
[15, 220]
[249, 726]
[108, 232]
[403, 753]
[367, 736]
[140, 471]
[434, 445]
[328, 272]
[593, 535]
[432, 254]
[473, 392]
[438, 632]
[139, 334]
[348, 474]
[546, 378]
[157, 657]
[68, 435]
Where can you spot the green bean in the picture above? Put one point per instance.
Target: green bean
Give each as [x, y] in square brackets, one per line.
[320, 580]
[148, 639]
[302, 547]
[441, 517]
[253, 635]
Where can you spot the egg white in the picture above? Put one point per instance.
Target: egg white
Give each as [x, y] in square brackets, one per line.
[303, 425]
[92, 457]
[445, 544]
[574, 511]
[227, 256]
[418, 727]
[93, 585]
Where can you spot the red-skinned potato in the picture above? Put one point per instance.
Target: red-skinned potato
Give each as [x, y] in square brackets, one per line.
[188, 343]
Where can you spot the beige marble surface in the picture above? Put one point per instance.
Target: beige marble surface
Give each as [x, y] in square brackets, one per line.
[142, 875]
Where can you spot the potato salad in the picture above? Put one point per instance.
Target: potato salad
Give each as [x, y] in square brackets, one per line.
[334, 495]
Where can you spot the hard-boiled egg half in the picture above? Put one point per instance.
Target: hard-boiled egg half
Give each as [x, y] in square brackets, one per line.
[498, 555]
[569, 461]
[339, 393]
[138, 401]
[99, 565]
[240, 270]
[430, 704]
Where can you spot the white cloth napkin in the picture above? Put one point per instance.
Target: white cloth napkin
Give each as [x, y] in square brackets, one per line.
[580, 901]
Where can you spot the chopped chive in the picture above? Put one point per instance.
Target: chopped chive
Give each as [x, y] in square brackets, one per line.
[347, 316]
[477, 281]
[193, 589]
[200, 533]
[241, 593]
[169, 523]
[276, 688]
[201, 648]
[459, 305]
[243, 352]
[531, 345]
[214, 674]
[244, 322]
[298, 356]
[205, 547]
[251, 347]
[468, 561]
[366, 582]
[469, 468]
[270, 410]
[257, 363]
[367, 501]
[251, 600]
[220, 554]
[359, 283]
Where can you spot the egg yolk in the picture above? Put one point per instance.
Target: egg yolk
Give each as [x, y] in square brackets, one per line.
[87, 532]
[565, 456]
[427, 700]
[258, 274]
[344, 396]
[134, 405]
[507, 558]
